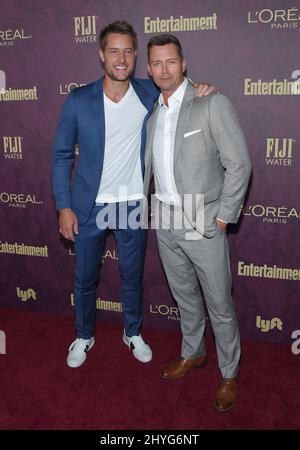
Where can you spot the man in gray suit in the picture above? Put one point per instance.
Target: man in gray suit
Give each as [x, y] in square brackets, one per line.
[198, 153]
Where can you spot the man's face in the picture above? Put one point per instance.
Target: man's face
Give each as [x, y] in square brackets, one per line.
[166, 67]
[118, 56]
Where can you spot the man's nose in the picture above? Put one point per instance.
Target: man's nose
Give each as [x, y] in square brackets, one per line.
[122, 57]
[164, 68]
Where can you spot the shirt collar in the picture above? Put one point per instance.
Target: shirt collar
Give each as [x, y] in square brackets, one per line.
[177, 96]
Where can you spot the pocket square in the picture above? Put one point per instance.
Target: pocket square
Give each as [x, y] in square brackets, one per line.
[190, 133]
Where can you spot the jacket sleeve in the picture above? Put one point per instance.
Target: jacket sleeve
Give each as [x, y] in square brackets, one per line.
[234, 156]
[63, 153]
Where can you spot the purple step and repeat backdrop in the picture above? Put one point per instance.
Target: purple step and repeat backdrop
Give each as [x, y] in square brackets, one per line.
[250, 50]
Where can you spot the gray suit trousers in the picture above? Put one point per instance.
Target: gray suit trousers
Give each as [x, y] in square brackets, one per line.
[206, 261]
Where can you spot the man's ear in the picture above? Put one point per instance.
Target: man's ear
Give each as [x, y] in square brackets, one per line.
[101, 55]
[184, 65]
[149, 70]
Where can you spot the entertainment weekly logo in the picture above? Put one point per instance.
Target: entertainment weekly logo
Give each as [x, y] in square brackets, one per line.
[185, 213]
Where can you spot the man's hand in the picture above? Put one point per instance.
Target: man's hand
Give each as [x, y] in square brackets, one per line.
[68, 223]
[204, 89]
[222, 225]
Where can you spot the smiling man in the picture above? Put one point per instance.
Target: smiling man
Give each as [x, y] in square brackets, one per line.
[198, 149]
[107, 119]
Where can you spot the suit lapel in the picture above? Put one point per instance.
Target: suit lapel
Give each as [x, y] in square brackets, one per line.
[183, 120]
[147, 100]
[151, 128]
[150, 135]
[98, 112]
[143, 95]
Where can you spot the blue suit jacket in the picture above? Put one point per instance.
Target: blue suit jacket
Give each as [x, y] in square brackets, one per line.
[82, 121]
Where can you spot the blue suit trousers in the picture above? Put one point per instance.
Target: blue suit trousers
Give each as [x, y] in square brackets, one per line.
[89, 243]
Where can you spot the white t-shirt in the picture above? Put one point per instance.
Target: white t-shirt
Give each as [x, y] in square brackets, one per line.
[121, 178]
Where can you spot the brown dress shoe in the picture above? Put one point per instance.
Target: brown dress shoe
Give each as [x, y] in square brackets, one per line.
[226, 395]
[181, 367]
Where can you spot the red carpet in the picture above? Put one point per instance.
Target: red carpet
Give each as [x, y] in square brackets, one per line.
[113, 391]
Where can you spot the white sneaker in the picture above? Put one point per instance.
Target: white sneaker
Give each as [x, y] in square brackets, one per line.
[139, 348]
[78, 350]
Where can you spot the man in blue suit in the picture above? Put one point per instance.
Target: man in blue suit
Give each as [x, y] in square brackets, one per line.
[107, 119]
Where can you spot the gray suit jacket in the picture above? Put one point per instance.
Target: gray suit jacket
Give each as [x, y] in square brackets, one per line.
[213, 162]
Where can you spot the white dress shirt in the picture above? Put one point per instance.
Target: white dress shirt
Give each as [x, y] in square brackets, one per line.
[163, 146]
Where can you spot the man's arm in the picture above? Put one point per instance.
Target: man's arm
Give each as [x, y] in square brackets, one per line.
[62, 162]
[234, 156]
[202, 89]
